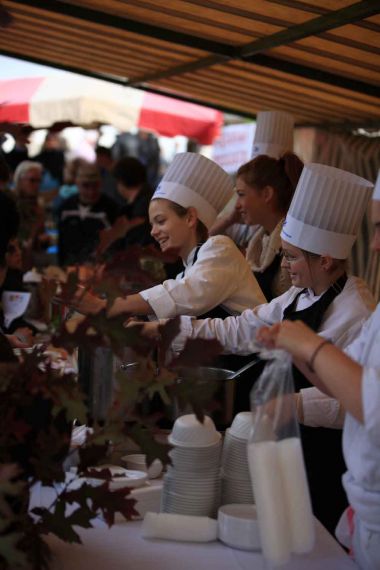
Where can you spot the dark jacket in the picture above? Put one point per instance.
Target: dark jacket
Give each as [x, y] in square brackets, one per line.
[79, 227]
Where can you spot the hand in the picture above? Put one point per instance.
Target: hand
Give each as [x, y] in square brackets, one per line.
[294, 336]
[21, 338]
[86, 303]
[149, 330]
[119, 229]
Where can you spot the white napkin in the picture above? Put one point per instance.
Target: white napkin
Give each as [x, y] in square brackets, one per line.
[179, 527]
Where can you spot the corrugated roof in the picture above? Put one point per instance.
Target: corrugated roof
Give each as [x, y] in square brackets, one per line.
[319, 60]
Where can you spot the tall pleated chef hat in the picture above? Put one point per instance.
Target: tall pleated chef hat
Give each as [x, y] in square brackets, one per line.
[326, 211]
[274, 134]
[194, 180]
[376, 192]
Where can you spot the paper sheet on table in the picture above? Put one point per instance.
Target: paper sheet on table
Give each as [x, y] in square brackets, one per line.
[14, 305]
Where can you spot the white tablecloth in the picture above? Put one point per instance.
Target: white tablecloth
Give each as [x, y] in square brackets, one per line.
[123, 548]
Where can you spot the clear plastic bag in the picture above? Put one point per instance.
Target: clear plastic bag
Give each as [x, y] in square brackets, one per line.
[276, 465]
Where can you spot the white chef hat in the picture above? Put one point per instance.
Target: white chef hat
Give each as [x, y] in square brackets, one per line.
[194, 180]
[376, 192]
[326, 210]
[274, 134]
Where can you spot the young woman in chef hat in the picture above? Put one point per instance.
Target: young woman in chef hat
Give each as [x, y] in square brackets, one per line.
[264, 187]
[320, 229]
[353, 378]
[217, 280]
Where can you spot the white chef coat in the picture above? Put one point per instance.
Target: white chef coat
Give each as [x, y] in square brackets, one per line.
[219, 276]
[341, 322]
[361, 445]
[361, 442]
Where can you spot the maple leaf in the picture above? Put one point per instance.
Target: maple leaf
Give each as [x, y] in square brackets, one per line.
[50, 447]
[69, 288]
[36, 549]
[152, 448]
[168, 332]
[194, 387]
[91, 455]
[104, 500]
[110, 503]
[83, 336]
[10, 552]
[198, 351]
[57, 522]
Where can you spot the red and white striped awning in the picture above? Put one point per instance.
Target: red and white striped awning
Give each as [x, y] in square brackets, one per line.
[43, 101]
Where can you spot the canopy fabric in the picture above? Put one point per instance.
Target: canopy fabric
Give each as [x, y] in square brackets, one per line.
[317, 59]
[41, 102]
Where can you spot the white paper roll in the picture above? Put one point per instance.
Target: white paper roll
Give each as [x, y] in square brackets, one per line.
[264, 465]
[179, 527]
[299, 511]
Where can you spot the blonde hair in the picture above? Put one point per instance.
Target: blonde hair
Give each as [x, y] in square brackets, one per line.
[23, 168]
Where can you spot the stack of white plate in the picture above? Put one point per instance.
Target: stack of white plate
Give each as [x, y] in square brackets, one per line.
[192, 483]
[236, 482]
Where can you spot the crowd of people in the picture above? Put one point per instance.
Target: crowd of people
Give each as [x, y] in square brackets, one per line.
[290, 288]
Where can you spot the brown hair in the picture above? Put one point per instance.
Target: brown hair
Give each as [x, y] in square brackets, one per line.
[202, 231]
[281, 174]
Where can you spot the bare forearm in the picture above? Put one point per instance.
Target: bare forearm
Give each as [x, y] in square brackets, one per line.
[134, 304]
[342, 378]
[311, 376]
[220, 226]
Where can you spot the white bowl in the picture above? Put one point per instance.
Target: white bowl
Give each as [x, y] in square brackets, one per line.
[238, 526]
[241, 425]
[189, 432]
[120, 477]
[138, 461]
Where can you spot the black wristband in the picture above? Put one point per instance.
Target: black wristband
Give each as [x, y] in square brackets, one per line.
[315, 353]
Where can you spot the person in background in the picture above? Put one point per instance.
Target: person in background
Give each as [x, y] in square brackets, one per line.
[32, 235]
[144, 146]
[82, 217]
[132, 225]
[5, 174]
[20, 151]
[264, 188]
[69, 187]
[13, 283]
[9, 220]
[352, 378]
[216, 280]
[316, 242]
[52, 158]
[105, 163]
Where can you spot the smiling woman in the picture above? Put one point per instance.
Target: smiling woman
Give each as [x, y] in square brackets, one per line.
[217, 280]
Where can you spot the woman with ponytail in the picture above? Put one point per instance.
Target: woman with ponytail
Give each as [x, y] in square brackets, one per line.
[265, 187]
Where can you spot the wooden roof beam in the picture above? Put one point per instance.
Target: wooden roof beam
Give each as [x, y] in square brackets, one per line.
[252, 51]
[118, 22]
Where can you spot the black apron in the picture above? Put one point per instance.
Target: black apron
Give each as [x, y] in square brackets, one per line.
[322, 447]
[226, 361]
[265, 278]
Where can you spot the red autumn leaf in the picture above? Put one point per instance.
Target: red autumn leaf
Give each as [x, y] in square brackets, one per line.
[198, 352]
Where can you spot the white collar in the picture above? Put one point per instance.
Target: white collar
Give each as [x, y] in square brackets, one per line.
[190, 257]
